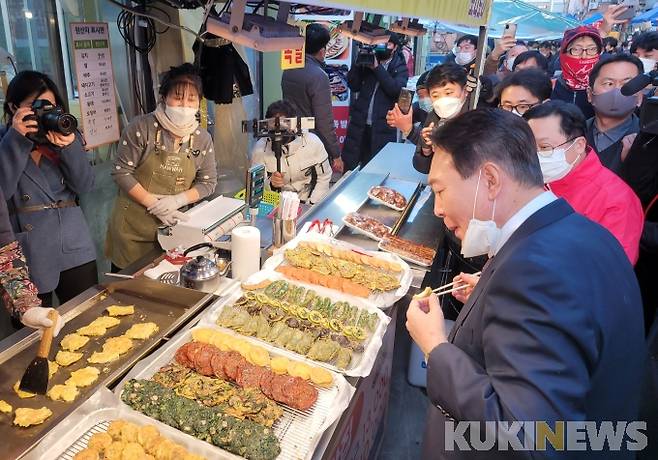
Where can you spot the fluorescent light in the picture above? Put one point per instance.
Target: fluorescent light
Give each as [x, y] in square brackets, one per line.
[28, 14]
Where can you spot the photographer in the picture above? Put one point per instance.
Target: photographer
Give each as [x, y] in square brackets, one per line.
[42, 173]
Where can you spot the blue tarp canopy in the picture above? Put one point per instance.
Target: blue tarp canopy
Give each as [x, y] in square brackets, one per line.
[648, 16]
[533, 23]
[596, 17]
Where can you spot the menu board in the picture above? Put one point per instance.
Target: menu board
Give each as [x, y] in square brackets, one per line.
[93, 69]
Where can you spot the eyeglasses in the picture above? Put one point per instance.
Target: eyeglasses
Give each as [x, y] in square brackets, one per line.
[519, 108]
[548, 152]
[578, 51]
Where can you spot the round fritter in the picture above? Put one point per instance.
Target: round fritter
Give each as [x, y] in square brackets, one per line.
[250, 376]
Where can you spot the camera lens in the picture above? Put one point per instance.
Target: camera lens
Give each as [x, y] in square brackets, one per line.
[67, 124]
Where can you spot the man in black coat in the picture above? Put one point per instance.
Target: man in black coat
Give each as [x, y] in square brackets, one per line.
[379, 87]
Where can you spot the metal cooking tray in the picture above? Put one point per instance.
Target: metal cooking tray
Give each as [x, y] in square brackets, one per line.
[167, 306]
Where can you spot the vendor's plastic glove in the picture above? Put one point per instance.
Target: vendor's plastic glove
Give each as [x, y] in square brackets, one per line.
[168, 204]
[37, 318]
[172, 218]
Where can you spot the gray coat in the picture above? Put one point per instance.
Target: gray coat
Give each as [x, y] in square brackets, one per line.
[309, 91]
[53, 240]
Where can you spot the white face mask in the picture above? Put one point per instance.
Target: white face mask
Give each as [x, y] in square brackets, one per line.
[425, 104]
[181, 116]
[448, 107]
[509, 63]
[649, 64]
[481, 236]
[554, 164]
[464, 57]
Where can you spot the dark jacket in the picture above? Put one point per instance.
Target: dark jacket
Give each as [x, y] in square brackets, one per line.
[364, 81]
[552, 331]
[419, 116]
[563, 93]
[309, 91]
[611, 157]
[54, 240]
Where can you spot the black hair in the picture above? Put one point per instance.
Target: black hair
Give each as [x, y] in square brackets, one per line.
[468, 38]
[646, 40]
[596, 70]
[446, 73]
[533, 80]
[317, 37]
[396, 39]
[539, 58]
[546, 44]
[610, 41]
[28, 83]
[572, 120]
[495, 135]
[421, 83]
[284, 108]
[178, 77]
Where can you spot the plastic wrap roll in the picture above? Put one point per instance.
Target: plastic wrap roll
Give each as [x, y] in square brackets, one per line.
[245, 252]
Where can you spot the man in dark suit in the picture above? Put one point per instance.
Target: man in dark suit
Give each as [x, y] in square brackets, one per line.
[553, 331]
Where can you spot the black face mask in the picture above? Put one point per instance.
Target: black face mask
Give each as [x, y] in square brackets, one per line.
[383, 55]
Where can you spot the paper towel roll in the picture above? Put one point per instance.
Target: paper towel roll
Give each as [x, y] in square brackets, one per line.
[245, 252]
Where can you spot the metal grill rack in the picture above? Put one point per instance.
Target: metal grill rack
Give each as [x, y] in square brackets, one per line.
[83, 441]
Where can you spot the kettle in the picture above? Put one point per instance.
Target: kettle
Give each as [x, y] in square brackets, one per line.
[203, 273]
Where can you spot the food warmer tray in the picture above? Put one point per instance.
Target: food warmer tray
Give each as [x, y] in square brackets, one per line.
[168, 306]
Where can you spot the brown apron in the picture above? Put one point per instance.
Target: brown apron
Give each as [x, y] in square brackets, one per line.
[132, 230]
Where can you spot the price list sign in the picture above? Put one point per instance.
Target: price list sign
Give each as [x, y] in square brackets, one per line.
[93, 68]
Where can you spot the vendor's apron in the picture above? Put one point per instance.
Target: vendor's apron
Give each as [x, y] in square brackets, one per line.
[132, 229]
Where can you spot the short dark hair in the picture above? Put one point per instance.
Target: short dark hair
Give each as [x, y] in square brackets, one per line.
[572, 120]
[539, 58]
[284, 108]
[546, 44]
[317, 37]
[446, 73]
[646, 40]
[29, 83]
[475, 137]
[396, 39]
[596, 70]
[180, 76]
[467, 38]
[610, 41]
[533, 80]
[421, 83]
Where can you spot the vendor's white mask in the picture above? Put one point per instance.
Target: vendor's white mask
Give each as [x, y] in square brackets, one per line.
[181, 116]
[481, 236]
[554, 164]
[448, 107]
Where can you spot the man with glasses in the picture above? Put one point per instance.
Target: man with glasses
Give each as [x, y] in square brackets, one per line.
[580, 51]
[572, 170]
[522, 90]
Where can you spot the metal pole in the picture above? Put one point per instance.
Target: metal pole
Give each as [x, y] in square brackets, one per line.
[29, 36]
[5, 23]
[479, 65]
[65, 49]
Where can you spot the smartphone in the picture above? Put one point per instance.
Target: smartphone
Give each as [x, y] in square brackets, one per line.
[404, 100]
[633, 6]
[510, 30]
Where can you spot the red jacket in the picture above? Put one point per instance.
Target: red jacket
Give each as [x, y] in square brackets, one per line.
[600, 195]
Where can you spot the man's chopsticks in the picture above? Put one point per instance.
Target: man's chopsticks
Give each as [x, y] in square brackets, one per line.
[444, 289]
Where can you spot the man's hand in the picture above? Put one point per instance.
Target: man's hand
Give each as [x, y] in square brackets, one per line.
[276, 180]
[396, 119]
[426, 133]
[337, 165]
[503, 45]
[425, 323]
[464, 279]
[24, 126]
[627, 143]
[60, 140]
[610, 18]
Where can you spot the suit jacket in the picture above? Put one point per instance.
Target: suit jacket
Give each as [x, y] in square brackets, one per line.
[53, 240]
[552, 331]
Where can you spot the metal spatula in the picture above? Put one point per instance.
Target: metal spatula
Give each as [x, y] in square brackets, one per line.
[35, 379]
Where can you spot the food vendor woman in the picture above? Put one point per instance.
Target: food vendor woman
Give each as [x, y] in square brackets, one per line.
[164, 161]
[42, 173]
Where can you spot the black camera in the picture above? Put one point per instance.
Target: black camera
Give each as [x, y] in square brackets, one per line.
[50, 117]
[366, 56]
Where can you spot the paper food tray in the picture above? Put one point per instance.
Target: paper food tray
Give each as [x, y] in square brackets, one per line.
[408, 258]
[382, 202]
[372, 236]
[361, 364]
[299, 432]
[379, 300]
[94, 416]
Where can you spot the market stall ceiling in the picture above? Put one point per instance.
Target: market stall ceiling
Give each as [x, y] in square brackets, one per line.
[471, 13]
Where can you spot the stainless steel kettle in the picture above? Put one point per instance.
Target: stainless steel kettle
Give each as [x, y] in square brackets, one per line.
[203, 273]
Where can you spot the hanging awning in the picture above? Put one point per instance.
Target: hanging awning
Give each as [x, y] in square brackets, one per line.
[470, 13]
[648, 16]
[593, 19]
[532, 22]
